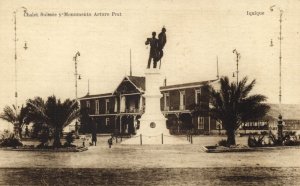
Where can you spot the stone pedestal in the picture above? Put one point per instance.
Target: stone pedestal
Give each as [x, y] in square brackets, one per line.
[153, 128]
[153, 122]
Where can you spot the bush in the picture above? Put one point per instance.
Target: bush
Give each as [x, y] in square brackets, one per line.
[44, 136]
[9, 140]
[253, 142]
[223, 142]
[275, 140]
[70, 137]
[263, 132]
[289, 133]
[290, 139]
[291, 143]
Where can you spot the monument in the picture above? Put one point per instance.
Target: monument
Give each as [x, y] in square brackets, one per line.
[153, 121]
[153, 128]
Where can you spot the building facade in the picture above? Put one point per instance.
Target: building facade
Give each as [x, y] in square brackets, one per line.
[119, 111]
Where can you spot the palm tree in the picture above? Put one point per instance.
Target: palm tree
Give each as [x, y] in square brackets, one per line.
[86, 125]
[232, 105]
[18, 119]
[54, 113]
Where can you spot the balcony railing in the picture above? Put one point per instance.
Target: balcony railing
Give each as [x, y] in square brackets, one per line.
[133, 110]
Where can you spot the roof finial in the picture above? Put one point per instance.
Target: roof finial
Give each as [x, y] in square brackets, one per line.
[130, 64]
[88, 93]
[218, 68]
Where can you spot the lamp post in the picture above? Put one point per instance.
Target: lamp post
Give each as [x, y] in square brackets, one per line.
[280, 123]
[16, 68]
[238, 56]
[77, 76]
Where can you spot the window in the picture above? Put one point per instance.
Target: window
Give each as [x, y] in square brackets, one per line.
[166, 101]
[107, 106]
[88, 104]
[200, 122]
[182, 100]
[107, 121]
[122, 104]
[116, 105]
[97, 107]
[197, 96]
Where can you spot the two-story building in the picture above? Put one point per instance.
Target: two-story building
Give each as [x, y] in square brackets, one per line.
[120, 110]
[178, 103]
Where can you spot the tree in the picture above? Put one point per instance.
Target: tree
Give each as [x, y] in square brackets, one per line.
[70, 137]
[186, 121]
[232, 105]
[86, 125]
[54, 113]
[18, 119]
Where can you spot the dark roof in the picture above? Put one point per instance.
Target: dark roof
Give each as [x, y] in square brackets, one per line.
[138, 81]
[95, 95]
[193, 84]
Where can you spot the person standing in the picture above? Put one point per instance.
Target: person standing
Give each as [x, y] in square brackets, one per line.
[94, 137]
[94, 132]
[26, 131]
[110, 141]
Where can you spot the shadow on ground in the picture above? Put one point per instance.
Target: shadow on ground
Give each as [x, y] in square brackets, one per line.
[152, 176]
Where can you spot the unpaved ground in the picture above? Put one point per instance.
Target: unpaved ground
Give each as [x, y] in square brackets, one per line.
[152, 176]
[151, 164]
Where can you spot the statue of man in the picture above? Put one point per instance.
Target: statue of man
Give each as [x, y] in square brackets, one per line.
[153, 50]
[162, 39]
[156, 47]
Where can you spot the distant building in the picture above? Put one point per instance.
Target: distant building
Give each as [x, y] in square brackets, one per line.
[291, 119]
[290, 115]
[120, 110]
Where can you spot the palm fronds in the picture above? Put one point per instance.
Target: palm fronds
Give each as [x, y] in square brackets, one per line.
[232, 104]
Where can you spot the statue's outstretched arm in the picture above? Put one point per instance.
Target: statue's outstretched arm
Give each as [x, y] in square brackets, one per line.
[147, 41]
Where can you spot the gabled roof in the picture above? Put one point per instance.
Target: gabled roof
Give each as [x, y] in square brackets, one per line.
[138, 81]
[96, 96]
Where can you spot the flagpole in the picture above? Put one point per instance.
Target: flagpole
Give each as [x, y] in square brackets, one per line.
[16, 68]
[76, 97]
[280, 119]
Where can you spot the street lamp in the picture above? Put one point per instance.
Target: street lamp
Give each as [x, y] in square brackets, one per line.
[77, 76]
[280, 123]
[238, 56]
[16, 71]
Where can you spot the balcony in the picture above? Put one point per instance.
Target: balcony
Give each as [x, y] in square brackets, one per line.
[109, 111]
[132, 110]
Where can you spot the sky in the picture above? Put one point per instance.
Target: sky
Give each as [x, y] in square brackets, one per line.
[198, 33]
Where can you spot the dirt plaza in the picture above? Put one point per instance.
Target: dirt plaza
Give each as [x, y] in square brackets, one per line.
[150, 164]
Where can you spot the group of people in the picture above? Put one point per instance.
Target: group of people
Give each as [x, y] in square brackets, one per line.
[93, 141]
[156, 47]
[90, 141]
